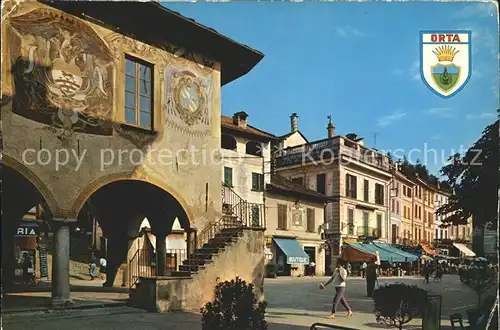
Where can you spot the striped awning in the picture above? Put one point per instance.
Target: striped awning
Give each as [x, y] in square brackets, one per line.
[465, 250]
[427, 249]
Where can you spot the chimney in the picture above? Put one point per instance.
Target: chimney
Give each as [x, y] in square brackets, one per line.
[293, 122]
[439, 185]
[330, 128]
[240, 119]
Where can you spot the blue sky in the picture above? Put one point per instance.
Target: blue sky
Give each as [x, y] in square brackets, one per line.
[358, 62]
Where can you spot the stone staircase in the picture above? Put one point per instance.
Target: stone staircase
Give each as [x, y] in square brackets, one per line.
[221, 244]
[209, 251]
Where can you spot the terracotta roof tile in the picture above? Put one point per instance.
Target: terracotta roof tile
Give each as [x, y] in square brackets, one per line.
[281, 183]
[227, 122]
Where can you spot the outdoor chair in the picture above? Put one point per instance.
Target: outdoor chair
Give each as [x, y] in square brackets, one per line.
[457, 318]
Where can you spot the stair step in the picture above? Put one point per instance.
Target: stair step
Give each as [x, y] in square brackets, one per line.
[197, 262]
[181, 273]
[190, 268]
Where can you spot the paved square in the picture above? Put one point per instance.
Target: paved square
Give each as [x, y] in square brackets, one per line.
[294, 303]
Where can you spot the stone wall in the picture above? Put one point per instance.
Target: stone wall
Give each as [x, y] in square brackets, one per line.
[92, 126]
[243, 259]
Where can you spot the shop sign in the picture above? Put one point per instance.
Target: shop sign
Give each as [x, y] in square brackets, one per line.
[298, 260]
[24, 230]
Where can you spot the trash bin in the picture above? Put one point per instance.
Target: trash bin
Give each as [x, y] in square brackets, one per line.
[431, 319]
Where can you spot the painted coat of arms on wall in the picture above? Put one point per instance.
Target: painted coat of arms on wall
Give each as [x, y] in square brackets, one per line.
[62, 73]
[188, 101]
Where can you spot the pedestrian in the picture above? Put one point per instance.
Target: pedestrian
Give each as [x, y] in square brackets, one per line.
[26, 265]
[102, 266]
[349, 269]
[427, 272]
[93, 267]
[312, 268]
[363, 269]
[338, 279]
[371, 277]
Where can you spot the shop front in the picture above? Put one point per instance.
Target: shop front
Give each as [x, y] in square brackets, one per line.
[290, 256]
[25, 251]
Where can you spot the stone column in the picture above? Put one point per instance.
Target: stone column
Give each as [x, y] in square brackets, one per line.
[60, 262]
[161, 254]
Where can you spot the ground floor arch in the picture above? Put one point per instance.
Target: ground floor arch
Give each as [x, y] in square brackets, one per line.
[119, 206]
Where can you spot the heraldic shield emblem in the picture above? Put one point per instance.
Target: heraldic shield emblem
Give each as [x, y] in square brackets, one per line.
[445, 61]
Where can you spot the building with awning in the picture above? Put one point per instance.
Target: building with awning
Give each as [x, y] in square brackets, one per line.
[353, 253]
[294, 215]
[389, 248]
[464, 250]
[294, 253]
[427, 249]
[386, 254]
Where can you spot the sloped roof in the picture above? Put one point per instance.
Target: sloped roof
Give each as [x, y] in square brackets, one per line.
[282, 186]
[227, 122]
[154, 24]
[282, 137]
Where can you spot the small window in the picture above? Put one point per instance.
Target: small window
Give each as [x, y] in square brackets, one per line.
[351, 186]
[321, 183]
[366, 191]
[282, 217]
[350, 221]
[138, 93]
[311, 221]
[228, 142]
[299, 181]
[254, 148]
[379, 194]
[257, 181]
[228, 176]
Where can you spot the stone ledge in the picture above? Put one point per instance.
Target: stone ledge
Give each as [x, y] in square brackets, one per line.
[75, 306]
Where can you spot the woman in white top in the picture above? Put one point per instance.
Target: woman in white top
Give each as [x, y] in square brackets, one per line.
[338, 279]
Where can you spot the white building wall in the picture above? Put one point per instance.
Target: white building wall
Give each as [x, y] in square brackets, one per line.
[293, 140]
[244, 165]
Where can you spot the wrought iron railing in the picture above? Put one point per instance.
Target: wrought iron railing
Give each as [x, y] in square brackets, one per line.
[328, 148]
[142, 264]
[236, 214]
[366, 231]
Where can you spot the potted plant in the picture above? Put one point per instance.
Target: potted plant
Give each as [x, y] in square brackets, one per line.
[397, 304]
[234, 307]
[271, 270]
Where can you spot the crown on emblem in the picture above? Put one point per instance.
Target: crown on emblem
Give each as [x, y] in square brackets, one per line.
[445, 53]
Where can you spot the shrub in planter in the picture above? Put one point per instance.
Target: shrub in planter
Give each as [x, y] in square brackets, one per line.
[271, 270]
[397, 304]
[234, 307]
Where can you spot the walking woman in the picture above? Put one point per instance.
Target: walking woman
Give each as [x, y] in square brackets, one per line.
[338, 279]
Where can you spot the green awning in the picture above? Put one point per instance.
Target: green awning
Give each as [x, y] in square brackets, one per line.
[387, 256]
[391, 249]
[294, 252]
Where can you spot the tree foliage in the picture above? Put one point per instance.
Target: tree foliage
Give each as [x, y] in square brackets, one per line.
[234, 307]
[479, 278]
[397, 304]
[474, 178]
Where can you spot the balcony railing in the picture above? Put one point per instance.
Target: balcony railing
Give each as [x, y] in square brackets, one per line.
[368, 232]
[324, 150]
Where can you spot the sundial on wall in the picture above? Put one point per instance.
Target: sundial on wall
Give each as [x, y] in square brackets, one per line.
[189, 97]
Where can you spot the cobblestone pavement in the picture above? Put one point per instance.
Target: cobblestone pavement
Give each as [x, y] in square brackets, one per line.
[294, 303]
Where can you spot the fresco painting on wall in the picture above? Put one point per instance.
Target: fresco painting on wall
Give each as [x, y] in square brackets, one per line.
[62, 72]
[188, 101]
